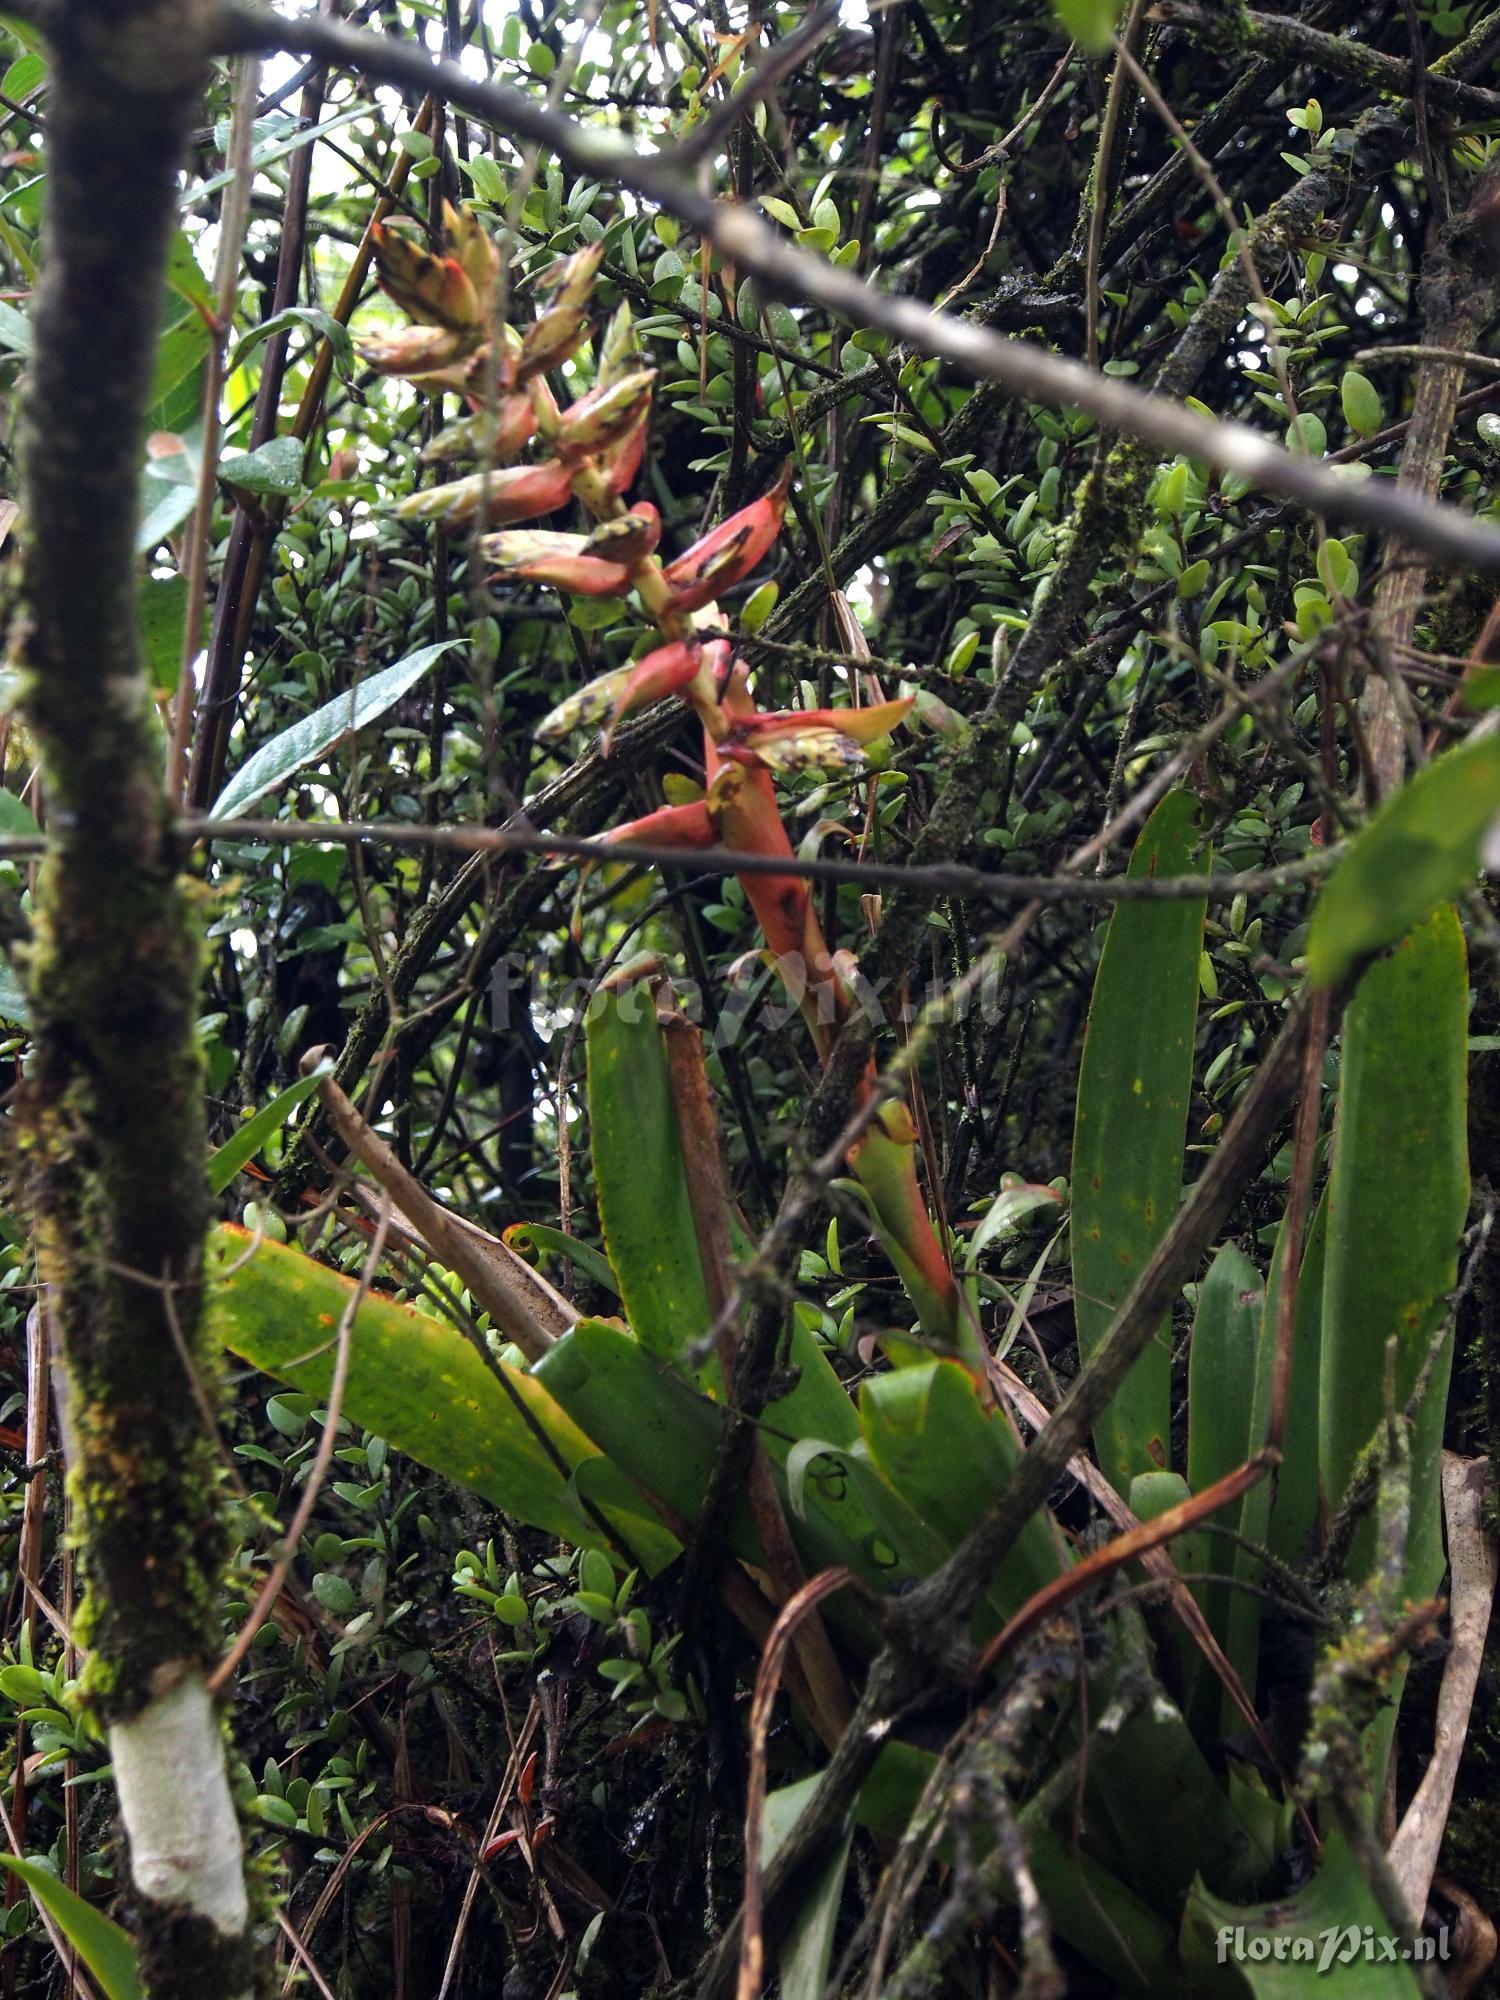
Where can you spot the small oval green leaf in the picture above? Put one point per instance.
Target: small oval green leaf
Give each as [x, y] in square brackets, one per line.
[1364, 412]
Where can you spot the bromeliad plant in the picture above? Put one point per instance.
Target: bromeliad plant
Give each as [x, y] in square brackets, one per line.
[608, 1437]
[1153, 1808]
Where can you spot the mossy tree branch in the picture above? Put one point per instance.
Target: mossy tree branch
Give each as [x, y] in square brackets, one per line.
[1293, 41]
[114, 1096]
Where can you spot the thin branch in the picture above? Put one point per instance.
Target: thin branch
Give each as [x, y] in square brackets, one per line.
[1018, 367]
[518, 1299]
[767, 1682]
[1003, 147]
[1102, 192]
[1047, 1602]
[232, 221]
[1460, 294]
[942, 879]
[952, 1590]
[708, 139]
[1477, 364]
[271, 1589]
[115, 1079]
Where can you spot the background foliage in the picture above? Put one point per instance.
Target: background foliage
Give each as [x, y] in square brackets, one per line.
[438, 1680]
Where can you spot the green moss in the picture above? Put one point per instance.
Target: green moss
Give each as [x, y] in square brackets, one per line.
[115, 1140]
[184, 1957]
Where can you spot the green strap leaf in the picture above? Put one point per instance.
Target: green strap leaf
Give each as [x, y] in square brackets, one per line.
[807, 1949]
[333, 331]
[1090, 23]
[658, 1429]
[421, 1385]
[16, 817]
[107, 1951]
[1091, 1907]
[237, 1151]
[15, 331]
[1222, 1363]
[1420, 848]
[168, 491]
[639, 1180]
[948, 1458]
[1294, 1511]
[1131, 1125]
[274, 762]
[1309, 1942]
[276, 138]
[13, 1005]
[541, 1236]
[1397, 1201]
[1279, 1514]
[1398, 1198]
[273, 467]
[163, 607]
[1221, 1366]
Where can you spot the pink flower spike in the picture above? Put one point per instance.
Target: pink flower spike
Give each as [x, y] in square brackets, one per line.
[591, 703]
[730, 551]
[670, 826]
[572, 280]
[604, 416]
[798, 750]
[860, 725]
[524, 545]
[537, 556]
[666, 670]
[512, 493]
[415, 350]
[504, 431]
[585, 576]
[464, 378]
[622, 461]
[436, 290]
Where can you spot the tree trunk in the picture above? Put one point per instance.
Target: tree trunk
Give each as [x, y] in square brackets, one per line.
[113, 1099]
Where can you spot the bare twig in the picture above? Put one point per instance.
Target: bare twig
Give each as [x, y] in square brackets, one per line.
[1336, 55]
[1158, 1564]
[1002, 147]
[1471, 1558]
[518, 1299]
[232, 221]
[271, 1589]
[1102, 190]
[1139, 1540]
[1459, 295]
[1462, 357]
[767, 1681]
[943, 879]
